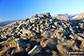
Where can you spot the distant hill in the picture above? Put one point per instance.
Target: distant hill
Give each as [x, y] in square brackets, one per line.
[79, 16]
[7, 22]
[64, 16]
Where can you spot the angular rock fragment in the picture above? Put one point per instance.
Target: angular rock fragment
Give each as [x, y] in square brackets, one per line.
[51, 43]
[61, 49]
[36, 49]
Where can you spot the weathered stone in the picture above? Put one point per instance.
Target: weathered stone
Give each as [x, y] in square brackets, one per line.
[46, 34]
[75, 48]
[61, 49]
[71, 36]
[51, 43]
[54, 53]
[78, 37]
[45, 15]
[36, 49]
[82, 45]
[70, 43]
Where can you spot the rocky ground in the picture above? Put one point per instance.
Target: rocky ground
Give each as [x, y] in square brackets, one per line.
[42, 35]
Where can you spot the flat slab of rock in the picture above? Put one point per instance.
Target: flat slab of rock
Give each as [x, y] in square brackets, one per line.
[36, 49]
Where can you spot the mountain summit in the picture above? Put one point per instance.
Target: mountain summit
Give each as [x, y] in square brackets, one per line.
[42, 35]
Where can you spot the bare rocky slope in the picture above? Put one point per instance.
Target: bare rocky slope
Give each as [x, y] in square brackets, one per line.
[42, 35]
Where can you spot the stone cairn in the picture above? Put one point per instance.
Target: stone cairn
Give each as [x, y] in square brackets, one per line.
[42, 35]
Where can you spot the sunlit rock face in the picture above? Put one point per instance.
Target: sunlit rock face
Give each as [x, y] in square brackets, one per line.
[42, 35]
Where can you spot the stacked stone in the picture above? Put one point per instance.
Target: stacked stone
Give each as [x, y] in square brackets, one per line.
[43, 32]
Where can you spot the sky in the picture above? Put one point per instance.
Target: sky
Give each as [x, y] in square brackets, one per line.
[22, 9]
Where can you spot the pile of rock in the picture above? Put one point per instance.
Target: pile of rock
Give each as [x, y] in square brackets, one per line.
[41, 35]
